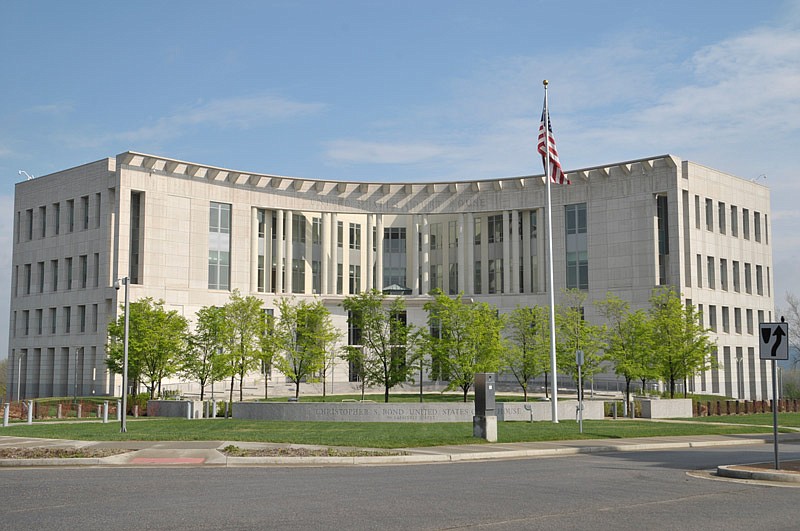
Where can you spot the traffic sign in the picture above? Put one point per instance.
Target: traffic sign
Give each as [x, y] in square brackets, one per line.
[773, 339]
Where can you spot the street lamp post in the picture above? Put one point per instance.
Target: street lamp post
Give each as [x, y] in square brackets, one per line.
[123, 425]
[19, 372]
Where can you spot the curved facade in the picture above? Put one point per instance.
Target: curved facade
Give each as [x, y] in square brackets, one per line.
[190, 234]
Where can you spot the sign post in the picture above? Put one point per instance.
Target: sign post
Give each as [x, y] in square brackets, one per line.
[579, 363]
[774, 345]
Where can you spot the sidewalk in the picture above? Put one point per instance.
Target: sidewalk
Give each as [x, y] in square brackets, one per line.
[208, 453]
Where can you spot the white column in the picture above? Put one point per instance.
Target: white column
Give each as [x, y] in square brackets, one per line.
[426, 255]
[268, 286]
[413, 243]
[279, 256]
[515, 252]
[506, 254]
[379, 253]
[346, 258]
[469, 280]
[325, 251]
[253, 249]
[334, 249]
[368, 253]
[289, 252]
[461, 253]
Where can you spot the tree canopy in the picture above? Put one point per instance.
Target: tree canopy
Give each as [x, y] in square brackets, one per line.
[527, 344]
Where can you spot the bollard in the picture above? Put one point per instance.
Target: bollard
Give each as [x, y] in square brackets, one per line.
[614, 408]
[189, 410]
[78, 410]
[99, 411]
[105, 412]
[5, 413]
[213, 409]
[119, 410]
[30, 412]
[59, 412]
[226, 409]
[136, 411]
[205, 408]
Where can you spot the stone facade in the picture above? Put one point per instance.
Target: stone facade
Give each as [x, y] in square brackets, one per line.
[189, 233]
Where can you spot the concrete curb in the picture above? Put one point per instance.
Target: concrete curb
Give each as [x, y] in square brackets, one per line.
[736, 472]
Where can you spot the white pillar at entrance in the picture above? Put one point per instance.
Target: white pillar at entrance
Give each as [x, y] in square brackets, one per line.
[461, 254]
[515, 288]
[369, 253]
[325, 251]
[279, 257]
[506, 254]
[426, 255]
[379, 253]
[289, 252]
[413, 245]
[469, 280]
[253, 249]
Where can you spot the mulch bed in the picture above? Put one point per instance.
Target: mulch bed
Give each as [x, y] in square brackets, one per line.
[47, 453]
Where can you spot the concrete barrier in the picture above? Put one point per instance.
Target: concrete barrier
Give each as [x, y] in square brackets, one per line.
[667, 408]
[174, 408]
[407, 411]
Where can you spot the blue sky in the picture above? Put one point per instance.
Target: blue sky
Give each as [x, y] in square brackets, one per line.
[410, 90]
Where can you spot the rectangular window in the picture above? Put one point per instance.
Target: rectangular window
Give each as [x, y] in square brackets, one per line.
[436, 280]
[496, 275]
[67, 319]
[42, 221]
[452, 234]
[54, 274]
[57, 218]
[85, 211]
[316, 276]
[663, 239]
[70, 215]
[28, 279]
[757, 226]
[723, 274]
[452, 279]
[722, 212]
[355, 236]
[477, 278]
[759, 280]
[726, 320]
[766, 230]
[709, 214]
[495, 228]
[136, 237]
[436, 236]
[712, 317]
[69, 272]
[219, 246]
[339, 278]
[577, 255]
[737, 320]
[26, 322]
[749, 319]
[746, 223]
[477, 227]
[699, 271]
[734, 221]
[711, 273]
[96, 269]
[298, 275]
[29, 224]
[736, 282]
[40, 276]
[697, 211]
[97, 209]
[340, 234]
[748, 281]
[39, 321]
[316, 231]
[355, 279]
[83, 267]
[53, 320]
[82, 318]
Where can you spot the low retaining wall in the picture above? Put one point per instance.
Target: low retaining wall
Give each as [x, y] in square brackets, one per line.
[407, 411]
[174, 408]
[667, 408]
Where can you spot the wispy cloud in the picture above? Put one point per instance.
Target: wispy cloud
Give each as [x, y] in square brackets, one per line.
[360, 151]
[234, 113]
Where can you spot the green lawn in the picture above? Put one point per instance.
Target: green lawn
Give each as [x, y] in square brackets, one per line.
[363, 434]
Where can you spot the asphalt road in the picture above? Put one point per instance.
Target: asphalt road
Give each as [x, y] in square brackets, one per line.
[642, 490]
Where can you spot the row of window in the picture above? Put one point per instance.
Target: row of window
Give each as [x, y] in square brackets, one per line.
[710, 316]
[34, 278]
[52, 220]
[726, 218]
[53, 320]
[736, 273]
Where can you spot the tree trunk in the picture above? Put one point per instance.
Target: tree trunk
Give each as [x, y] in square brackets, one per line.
[266, 387]
[386, 395]
[546, 392]
[466, 392]
[230, 396]
[297, 389]
[525, 393]
[241, 386]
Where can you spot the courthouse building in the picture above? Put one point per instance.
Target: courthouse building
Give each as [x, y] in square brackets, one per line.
[190, 233]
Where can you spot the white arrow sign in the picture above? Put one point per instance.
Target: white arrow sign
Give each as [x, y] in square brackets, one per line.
[773, 339]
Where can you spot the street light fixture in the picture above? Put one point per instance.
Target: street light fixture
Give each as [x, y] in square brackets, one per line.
[123, 426]
[19, 371]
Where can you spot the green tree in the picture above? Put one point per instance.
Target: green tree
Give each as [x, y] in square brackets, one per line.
[305, 334]
[384, 357]
[575, 333]
[526, 355]
[681, 345]
[792, 313]
[203, 360]
[246, 321]
[629, 341]
[469, 339]
[156, 341]
[269, 350]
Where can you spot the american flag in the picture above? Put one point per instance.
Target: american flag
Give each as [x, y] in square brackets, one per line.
[554, 171]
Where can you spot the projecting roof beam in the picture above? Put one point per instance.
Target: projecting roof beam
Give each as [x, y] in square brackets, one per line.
[647, 165]
[319, 186]
[626, 168]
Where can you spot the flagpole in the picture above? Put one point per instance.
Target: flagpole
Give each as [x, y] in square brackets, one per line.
[550, 286]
